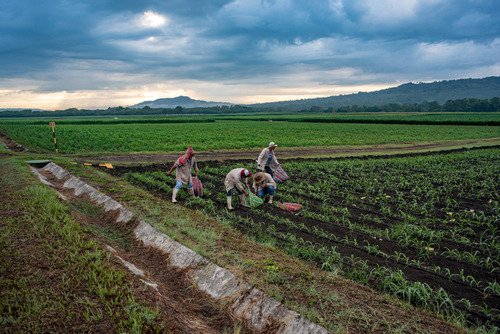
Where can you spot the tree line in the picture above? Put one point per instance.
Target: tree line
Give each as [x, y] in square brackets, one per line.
[459, 105]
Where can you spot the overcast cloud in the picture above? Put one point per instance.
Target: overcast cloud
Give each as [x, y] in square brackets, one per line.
[99, 54]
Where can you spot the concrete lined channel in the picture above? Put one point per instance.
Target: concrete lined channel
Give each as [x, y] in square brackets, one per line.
[246, 301]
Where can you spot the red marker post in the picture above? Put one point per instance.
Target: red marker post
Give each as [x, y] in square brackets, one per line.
[53, 125]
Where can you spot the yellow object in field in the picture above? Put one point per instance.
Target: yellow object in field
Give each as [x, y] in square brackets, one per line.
[108, 166]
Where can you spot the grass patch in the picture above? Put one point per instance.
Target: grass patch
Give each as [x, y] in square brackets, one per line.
[3, 149]
[53, 277]
[119, 239]
[87, 208]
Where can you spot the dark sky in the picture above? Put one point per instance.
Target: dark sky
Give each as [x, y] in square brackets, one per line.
[99, 54]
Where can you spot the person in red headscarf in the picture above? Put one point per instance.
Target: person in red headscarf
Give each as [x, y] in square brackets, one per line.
[183, 174]
[234, 179]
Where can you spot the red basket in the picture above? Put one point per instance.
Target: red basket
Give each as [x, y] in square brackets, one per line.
[292, 207]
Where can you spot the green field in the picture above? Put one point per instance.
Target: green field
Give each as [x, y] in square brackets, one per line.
[231, 135]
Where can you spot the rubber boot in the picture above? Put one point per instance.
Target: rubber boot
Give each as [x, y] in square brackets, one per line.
[191, 192]
[270, 199]
[229, 207]
[174, 195]
[243, 200]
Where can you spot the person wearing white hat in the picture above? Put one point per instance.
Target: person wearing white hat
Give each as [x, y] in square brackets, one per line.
[267, 160]
[263, 184]
[234, 179]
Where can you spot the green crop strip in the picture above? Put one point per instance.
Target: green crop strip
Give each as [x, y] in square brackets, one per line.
[230, 135]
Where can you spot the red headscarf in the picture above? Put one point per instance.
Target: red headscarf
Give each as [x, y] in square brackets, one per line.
[185, 157]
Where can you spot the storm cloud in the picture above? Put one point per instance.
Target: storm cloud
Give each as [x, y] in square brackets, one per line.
[96, 54]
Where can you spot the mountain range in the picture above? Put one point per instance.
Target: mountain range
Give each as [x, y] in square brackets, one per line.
[408, 93]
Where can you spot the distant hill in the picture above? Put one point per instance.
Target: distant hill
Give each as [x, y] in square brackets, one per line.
[439, 91]
[180, 101]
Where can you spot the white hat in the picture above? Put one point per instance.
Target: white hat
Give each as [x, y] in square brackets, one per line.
[272, 144]
[245, 173]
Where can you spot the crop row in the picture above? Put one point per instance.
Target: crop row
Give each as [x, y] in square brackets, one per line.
[392, 281]
[410, 231]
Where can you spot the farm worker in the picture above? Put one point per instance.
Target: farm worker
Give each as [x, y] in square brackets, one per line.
[183, 175]
[267, 160]
[235, 178]
[263, 184]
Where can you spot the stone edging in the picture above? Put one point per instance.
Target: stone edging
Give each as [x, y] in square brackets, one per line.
[246, 301]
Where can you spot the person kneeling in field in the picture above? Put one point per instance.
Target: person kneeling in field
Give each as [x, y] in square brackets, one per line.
[183, 175]
[263, 184]
[235, 178]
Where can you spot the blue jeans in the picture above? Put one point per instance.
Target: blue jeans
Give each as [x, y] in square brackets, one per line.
[178, 185]
[268, 190]
[230, 192]
[268, 171]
